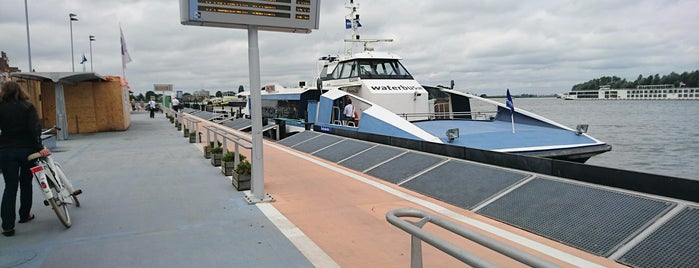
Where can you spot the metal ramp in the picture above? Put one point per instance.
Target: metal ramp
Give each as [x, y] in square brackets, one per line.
[635, 229]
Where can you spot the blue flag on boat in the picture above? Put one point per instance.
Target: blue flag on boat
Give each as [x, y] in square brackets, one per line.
[509, 102]
[348, 24]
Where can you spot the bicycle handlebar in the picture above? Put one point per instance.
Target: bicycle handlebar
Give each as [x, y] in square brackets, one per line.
[54, 127]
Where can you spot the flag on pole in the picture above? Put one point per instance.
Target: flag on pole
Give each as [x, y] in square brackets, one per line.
[510, 104]
[348, 23]
[125, 57]
[83, 60]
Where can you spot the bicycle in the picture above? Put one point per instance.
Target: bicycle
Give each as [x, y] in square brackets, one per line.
[57, 189]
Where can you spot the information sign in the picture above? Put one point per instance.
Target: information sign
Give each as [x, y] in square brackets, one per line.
[162, 87]
[300, 16]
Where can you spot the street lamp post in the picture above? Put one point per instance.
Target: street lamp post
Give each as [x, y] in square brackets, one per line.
[29, 46]
[72, 17]
[92, 38]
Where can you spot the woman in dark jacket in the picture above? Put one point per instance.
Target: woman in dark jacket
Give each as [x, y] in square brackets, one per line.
[20, 136]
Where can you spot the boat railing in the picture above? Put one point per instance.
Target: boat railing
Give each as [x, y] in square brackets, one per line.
[418, 235]
[480, 115]
[338, 112]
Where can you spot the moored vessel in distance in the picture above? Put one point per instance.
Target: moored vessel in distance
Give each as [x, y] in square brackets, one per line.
[642, 92]
[388, 101]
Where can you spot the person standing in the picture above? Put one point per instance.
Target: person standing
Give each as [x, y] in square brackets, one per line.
[151, 108]
[175, 104]
[349, 112]
[20, 136]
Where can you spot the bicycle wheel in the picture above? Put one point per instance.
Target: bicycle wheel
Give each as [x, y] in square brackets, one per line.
[57, 203]
[62, 176]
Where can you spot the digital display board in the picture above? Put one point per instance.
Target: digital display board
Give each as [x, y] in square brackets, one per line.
[269, 15]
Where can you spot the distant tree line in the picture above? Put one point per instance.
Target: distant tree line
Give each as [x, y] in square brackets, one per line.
[688, 80]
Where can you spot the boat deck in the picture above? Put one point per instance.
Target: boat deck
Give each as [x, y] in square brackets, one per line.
[151, 200]
[497, 135]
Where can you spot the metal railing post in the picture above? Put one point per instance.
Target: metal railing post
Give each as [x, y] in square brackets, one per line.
[418, 235]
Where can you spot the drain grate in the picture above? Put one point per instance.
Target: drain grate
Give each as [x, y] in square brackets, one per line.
[463, 184]
[404, 166]
[342, 150]
[592, 219]
[371, 157]
[298, 138]
[317, 143]
[675, 244]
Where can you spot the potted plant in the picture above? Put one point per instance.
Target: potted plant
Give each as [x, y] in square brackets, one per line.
[193, 137]
[216, 154]
[228, 163]
[242, 175]
[207, 150]
[186, 132]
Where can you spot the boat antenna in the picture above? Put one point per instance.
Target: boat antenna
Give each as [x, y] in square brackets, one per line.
[352, 23]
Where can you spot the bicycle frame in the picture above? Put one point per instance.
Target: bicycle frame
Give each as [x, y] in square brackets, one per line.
[40, 177]
[46, 173]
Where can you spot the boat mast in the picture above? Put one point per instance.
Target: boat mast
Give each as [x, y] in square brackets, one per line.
[353, 23]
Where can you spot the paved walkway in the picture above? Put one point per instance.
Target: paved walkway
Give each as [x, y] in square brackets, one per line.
[150, 200]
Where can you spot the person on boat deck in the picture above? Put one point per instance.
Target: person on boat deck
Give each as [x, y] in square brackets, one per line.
[349, 112]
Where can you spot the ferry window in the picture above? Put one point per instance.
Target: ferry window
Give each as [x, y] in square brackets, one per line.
[336, 72]
[348, 69]
[382, 69]
[324, 73]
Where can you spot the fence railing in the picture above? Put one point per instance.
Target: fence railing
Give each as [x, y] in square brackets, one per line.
[418, 235]
[226, 136]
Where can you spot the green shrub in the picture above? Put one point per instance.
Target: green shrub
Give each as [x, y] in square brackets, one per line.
[217, 150]
[230, 156]
[244, 168]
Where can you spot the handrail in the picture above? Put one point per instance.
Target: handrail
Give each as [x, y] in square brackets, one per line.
[418, 235]
[236, 139]
[479, 115]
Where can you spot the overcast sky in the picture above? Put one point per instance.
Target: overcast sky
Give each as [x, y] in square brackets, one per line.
[535, 47]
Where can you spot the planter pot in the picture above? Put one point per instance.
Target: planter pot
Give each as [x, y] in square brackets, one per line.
[192, 139]
[207, 152]
[241, 182]
[179, 126]
[216, 159]
[186, 133]
[228, 168]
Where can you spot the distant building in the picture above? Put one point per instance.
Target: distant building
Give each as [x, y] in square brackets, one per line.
[201, 93]
[5, 68]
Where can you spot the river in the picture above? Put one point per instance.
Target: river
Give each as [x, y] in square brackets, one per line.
[658, 137]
